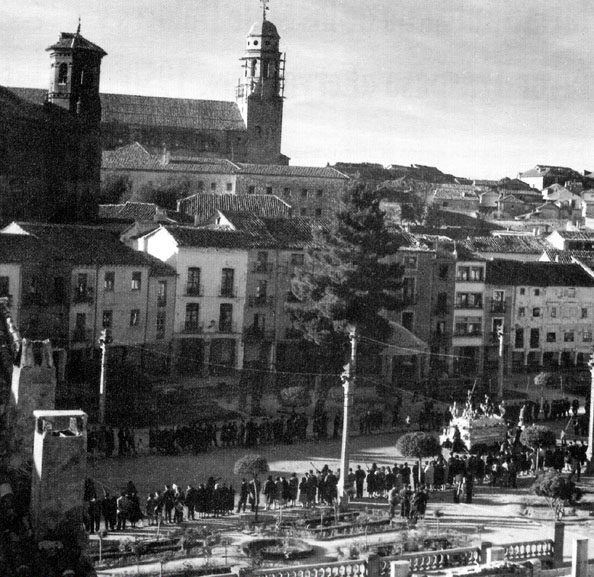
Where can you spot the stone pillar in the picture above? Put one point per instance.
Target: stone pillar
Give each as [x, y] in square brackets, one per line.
[495, 554]
[374, 566]
[579, 558]
[59, 472]
[485, 546]
[33, 388]
[559, 542]
[399, 568]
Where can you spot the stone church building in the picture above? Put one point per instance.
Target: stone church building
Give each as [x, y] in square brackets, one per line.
[247, 130]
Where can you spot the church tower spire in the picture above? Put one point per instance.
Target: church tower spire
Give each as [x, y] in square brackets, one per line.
[74, 80]
[260, 92]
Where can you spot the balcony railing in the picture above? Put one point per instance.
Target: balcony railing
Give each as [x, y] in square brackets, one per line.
[191, 327]
[82, 294]
[261, 301]
[82, 335]
[161, 301]
[227, 328]
[497, 307]
[263, 267]
[229, 292]
[467, 305]
[194, 290]
[460, 333]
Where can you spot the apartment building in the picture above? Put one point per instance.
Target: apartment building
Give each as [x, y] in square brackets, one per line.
[73, 281]
[546, 311]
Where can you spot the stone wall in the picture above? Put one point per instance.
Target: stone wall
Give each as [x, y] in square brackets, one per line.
[33, 388]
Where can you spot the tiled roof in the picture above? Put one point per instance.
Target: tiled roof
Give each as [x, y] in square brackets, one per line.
[541, 274]
[576, 234]
[205, 205]
[455, 192]
[75, 41]
[190, 236]
[20, 248]
[291, 171]
[506, 244]
[16, 106]
[87, 245]
[248, 223]
[133, 211]
[513, 184]
[158, 111]
[585, 257]
[171, 112]
[295, 232]
[135, 157]
[548, 170]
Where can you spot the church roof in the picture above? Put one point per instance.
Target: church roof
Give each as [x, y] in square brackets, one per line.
[74, 41]
[158, 111]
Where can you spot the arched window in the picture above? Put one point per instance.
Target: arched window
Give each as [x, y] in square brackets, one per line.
[63, 73]
[254, 64]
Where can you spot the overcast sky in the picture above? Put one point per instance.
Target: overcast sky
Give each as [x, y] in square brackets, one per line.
[478, 88]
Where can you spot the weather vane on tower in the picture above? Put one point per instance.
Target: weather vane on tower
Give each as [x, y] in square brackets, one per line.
[264, 7]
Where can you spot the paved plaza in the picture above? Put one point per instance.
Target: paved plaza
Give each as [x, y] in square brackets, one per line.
[499, 515]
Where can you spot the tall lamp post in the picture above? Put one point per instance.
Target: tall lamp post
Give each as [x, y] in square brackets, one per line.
[591, 417]
[104, 340]
[500, 367]
[348, 384]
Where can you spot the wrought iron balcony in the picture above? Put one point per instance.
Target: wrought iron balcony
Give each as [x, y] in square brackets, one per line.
[194, 290]
[191, 327]
[82, 294]
[498, 307]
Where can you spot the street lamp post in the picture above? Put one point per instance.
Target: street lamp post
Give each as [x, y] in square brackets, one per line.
[500, 366]
[591, 416]
[348, 384]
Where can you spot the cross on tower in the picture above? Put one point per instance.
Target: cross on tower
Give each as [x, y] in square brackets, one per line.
[264, 7]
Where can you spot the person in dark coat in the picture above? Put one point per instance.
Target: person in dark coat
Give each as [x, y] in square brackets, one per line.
[244, 492]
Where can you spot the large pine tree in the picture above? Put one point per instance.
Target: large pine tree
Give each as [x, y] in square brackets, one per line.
[348, 279]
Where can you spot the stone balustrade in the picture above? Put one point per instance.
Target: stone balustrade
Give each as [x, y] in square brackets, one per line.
[529, 549]
[433, 560]
[355, 568]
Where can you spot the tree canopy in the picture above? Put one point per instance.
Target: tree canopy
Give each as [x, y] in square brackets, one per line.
[557, 490]
[251, 465]
[538, 436]
[349, 279]
[418, 445]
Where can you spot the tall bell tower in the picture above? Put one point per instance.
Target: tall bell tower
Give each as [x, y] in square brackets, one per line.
[74, 78]
[260, 92]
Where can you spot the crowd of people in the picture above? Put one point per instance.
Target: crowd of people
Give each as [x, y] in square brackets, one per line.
[171, 505]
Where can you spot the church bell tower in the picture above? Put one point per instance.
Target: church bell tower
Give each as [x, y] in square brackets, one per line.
[74, 79]
[260, 92]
